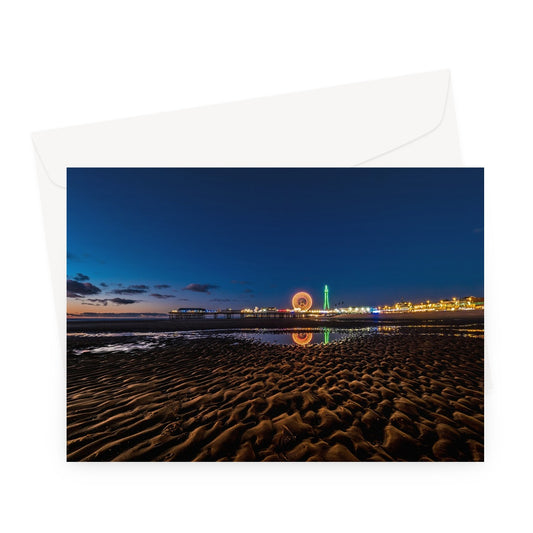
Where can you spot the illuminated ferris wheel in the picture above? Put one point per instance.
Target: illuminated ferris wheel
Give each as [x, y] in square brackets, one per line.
[302, 301]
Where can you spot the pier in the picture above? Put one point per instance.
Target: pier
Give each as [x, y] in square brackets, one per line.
[182, 314]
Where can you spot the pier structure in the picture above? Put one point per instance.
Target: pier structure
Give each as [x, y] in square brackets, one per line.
[301, 308]
[184, 314]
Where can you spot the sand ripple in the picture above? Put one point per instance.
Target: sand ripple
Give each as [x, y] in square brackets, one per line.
[378, 398]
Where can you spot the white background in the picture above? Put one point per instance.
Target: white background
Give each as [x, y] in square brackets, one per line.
[66, 63]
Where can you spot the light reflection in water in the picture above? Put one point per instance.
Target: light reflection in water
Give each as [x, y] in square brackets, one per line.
[306, 337]
[132, 342]
[302, 337]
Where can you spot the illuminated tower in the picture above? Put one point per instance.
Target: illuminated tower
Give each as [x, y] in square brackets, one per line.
[326, 297]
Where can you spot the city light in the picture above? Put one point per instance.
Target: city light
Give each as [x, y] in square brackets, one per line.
[302, 308]
[454, 304]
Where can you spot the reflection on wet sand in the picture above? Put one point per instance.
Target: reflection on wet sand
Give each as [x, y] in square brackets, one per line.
[103, 343]
[302, 337]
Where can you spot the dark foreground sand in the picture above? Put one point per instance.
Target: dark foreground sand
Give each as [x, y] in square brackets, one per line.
[382, 397]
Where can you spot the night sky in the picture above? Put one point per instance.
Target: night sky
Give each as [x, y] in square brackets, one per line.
[151, 240]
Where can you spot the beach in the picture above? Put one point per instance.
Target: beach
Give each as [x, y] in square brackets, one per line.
[413, 393]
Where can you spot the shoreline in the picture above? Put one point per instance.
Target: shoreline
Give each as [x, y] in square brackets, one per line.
[156, 325]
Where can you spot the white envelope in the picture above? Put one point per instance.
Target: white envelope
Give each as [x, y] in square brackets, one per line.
[407, 121]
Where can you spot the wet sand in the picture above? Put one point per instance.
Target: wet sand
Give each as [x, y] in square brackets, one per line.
[383, 397]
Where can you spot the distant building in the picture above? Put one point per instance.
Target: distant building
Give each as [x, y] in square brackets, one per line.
[454, 304]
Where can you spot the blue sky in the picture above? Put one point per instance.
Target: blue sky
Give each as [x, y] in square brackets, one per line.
[149, 240]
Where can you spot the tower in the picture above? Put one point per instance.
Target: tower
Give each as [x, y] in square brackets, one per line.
[326, 297]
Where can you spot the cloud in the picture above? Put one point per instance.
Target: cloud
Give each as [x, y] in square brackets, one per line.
[129, 291]
[81, 277]
[104, 301]
[103, 284]
[123, 301]
[221, 300]
[95, 301]
[248, 291]
[132, 289]
[162, 296]
[200, 287]
[76, 289]
[162, 286]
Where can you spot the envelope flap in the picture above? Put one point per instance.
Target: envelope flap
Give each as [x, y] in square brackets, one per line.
[340, 126]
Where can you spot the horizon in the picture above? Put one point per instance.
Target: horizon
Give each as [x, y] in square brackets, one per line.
[112, 314]
[144, 241]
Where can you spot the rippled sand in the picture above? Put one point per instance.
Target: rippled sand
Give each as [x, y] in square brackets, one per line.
[412, 397]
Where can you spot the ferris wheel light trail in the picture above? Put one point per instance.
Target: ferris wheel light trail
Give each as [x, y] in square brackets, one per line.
[302, 301]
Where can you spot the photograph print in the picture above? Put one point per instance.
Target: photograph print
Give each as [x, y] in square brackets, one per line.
[275, 314]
